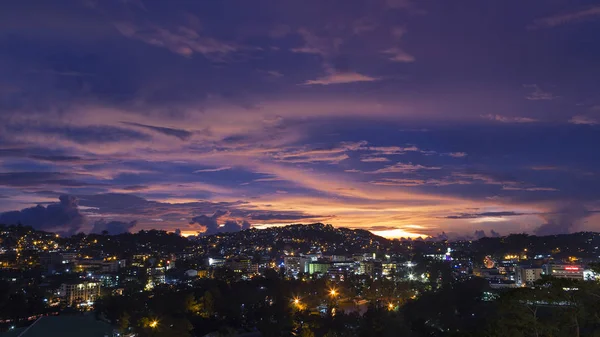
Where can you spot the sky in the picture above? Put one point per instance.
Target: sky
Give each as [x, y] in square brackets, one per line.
[403, 117]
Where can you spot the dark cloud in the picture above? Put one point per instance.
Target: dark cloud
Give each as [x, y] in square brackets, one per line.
[121, 203]
[494, 234]
[566, 219]
[33, 179]
[211, 225]
[135, 188]
[56, 158]
[63, 217]
[280, 216]
[479, 234]
[483, 215]
[179, 133]
[113, 227]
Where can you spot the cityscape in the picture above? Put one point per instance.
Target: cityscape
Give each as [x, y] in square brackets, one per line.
[301, 280]
[299, 168]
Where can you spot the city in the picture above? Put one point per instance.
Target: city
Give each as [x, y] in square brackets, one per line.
[305, 280]
[299, 168]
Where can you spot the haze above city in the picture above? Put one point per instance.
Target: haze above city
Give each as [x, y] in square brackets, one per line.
[405, 118]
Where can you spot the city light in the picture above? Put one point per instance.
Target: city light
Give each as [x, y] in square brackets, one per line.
[333, 292]
[391, 306]
[153, 324]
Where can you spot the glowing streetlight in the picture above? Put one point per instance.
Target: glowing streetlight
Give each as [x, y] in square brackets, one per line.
[333, 292]
[391, 306]
[153, 324]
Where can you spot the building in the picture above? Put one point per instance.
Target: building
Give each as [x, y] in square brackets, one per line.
[157, 275]
[569, 271]
[242, 264]
[388, 268]
[84, 293]
[216, 262]
[527, 275]
[318, 267]
[371, 268]
[295, 265]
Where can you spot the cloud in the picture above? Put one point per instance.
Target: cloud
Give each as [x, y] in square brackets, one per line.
[457, 154]
[399, 55]
[393, 150]
[529, 189]
[211, 226]
[583, 120]
[479, 234]
[538, 94]
[36, 179]
[216, 169]
[561, 19]
[113, 227]
[290, 216]
[179, 133]
[506, 119]
[313, 44]
[61, 159]
[374, 159]
[274, 73]
[566, 218]
[341, 78]
[63, 217]
[483, 215]
[183, 40]
[332, 155]
[404, 168]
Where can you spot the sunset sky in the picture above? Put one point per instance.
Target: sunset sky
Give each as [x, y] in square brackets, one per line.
[403, 117]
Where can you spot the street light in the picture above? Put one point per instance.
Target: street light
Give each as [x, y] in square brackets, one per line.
[333, 292]
[391, 306]
[153, 324]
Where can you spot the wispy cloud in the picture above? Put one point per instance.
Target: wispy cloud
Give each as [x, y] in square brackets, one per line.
[374, 159]
[538, 94]
[217, 169]
[565, 18]
[507, 119]
[341, 78]
[583, 120]
[483, 215]
[457, 154]
[399, 55]
[404, 168]
[529, 189]
[183, 41]
[179, 133]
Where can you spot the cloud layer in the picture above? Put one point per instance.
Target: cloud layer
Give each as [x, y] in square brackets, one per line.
[377, 114]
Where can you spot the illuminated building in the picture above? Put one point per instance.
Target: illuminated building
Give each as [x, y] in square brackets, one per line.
[241, 264]
[371, 268]
[527, 275]
[295, 265]
[388, 269]
[569, 271]
[157, 275]
[216, 261]
[318, 267]
[84, 293]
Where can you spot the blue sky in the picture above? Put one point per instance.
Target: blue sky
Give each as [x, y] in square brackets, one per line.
[400, 116]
